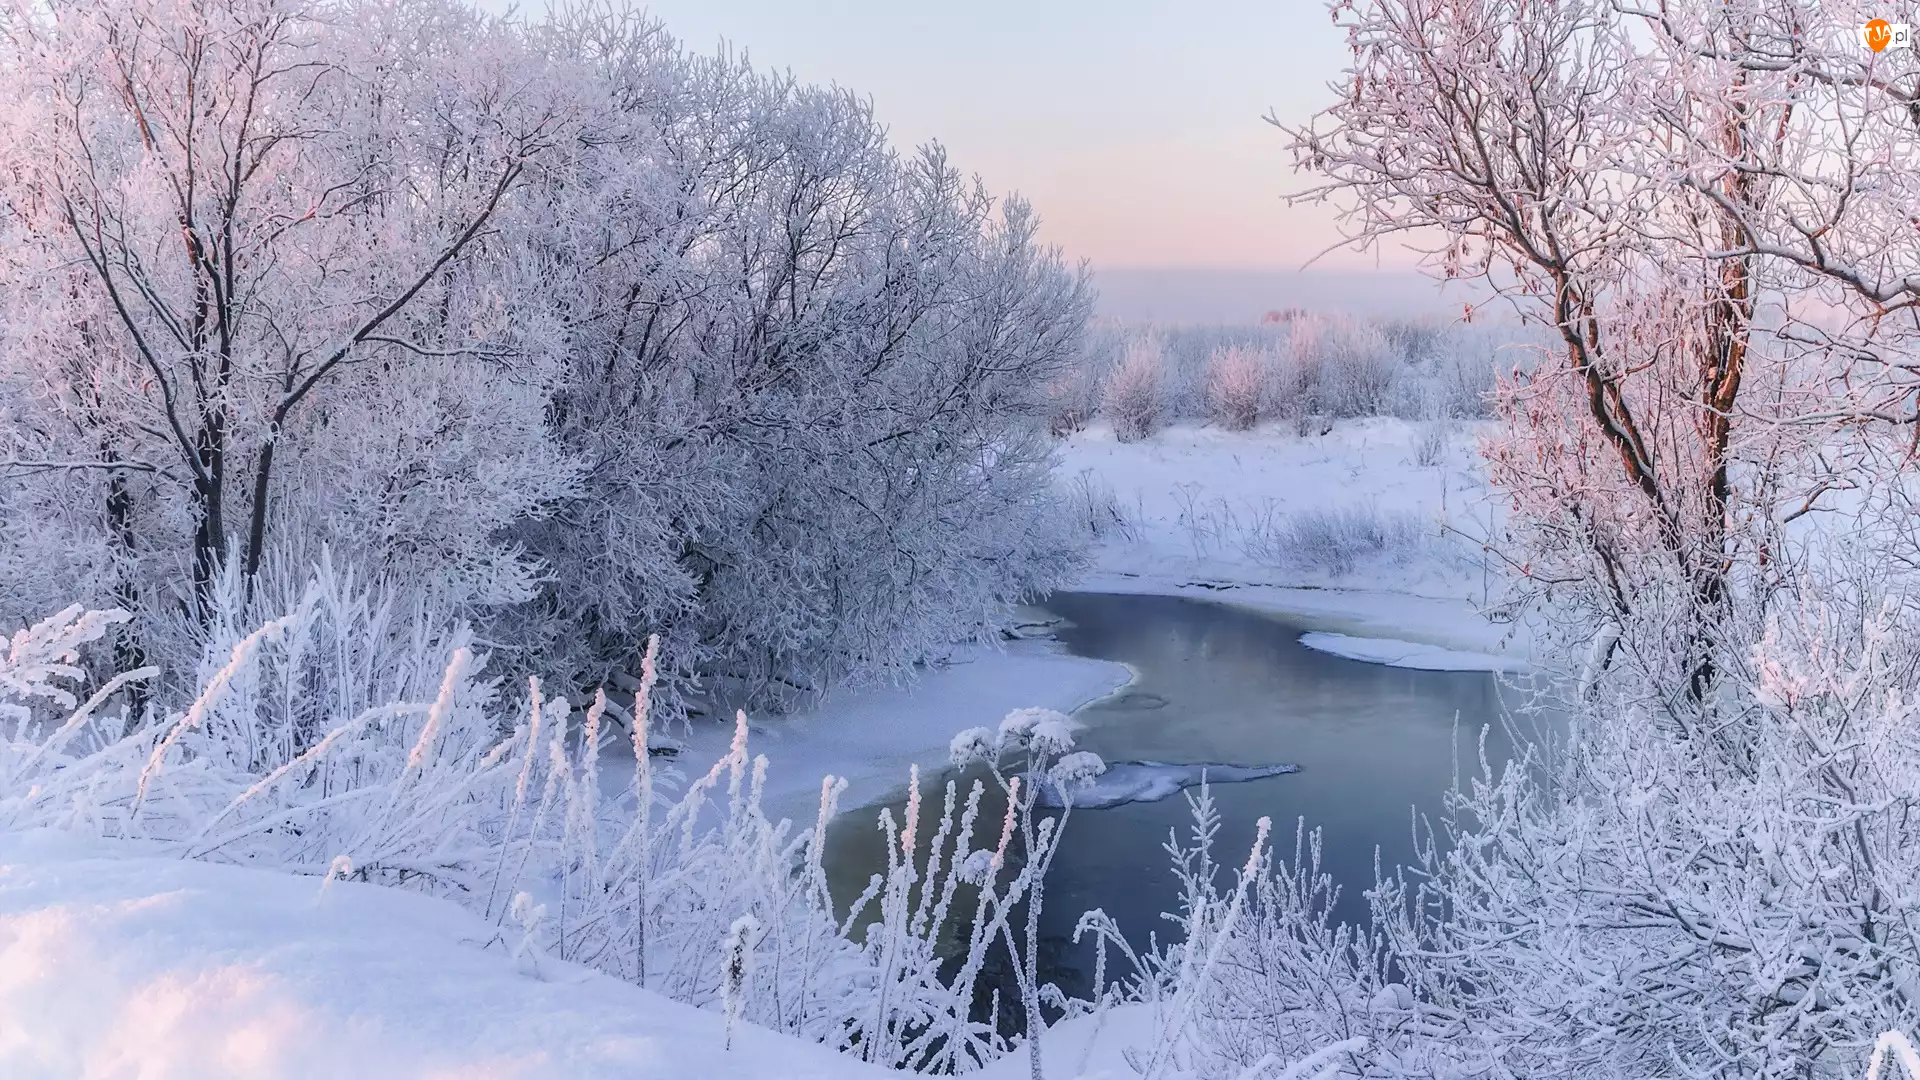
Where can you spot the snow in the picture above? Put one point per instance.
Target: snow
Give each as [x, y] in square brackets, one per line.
[1406, 654]
[1096, 1046]
[118, 962]
[1090, 1047]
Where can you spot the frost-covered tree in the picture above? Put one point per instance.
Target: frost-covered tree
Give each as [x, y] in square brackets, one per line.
[1684, 195]
[259, 295]
[806, 379]
[1707, 205]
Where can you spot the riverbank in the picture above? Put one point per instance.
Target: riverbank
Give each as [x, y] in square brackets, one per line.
[1254, 519]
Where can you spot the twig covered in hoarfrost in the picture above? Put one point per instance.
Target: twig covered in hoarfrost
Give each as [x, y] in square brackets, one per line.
[1895, 1045]
[739, 966]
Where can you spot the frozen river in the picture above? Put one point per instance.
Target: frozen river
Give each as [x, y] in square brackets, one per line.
[1221, 684]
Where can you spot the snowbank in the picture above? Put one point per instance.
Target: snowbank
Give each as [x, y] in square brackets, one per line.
[120, 963]
[1090, 1047]
[1407, 654]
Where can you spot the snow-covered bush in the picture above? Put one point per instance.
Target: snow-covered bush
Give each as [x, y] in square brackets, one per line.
[1131, 402]
[1464, 372]
[1236, 386]
[1430, 439]
[1296, 378]
[1413, 340]
[1334, 541]
[1358, 370]
[1258, 973]
[1097, 509]
[1073, 396]
[1313, 367]
[1736, 906]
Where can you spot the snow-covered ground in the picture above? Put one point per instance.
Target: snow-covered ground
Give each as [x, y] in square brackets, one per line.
[118, 963]
[122, 962]
[1190, 492]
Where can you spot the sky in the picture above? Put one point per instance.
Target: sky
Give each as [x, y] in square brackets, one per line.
[1135, 127]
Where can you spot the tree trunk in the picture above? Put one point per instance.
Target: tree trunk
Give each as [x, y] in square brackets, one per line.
[209, 532]
[257, 512]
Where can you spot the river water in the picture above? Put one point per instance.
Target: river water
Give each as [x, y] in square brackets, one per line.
[1217, 683]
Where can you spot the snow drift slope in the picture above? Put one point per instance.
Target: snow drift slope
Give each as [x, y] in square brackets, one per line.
[117, 964]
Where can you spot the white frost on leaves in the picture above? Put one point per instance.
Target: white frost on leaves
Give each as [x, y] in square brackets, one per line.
[1076, 771]
[970, 745]
[976, 867]
[1048, 731]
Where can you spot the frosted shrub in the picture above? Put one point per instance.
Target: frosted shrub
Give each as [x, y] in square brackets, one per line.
[45, 728]
[1358, 370]
[1072, 398]
[1296, 378]
[42, 661]
[1290, 982]
[1334, 541]
[1032, 749]
[1132, 399]
[1236, 382]
[1313, 367]
[1257, 974]
[1412, 340]
[1466, 383]
[1786, 826]
[1096, 509]
[1430, 440]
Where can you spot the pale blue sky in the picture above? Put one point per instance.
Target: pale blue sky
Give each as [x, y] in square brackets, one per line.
[1133, 125]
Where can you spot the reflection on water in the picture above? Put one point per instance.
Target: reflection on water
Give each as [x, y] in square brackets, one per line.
[1223, 684]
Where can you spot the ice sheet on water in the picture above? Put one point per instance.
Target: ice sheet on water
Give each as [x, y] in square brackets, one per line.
[1408, 654]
